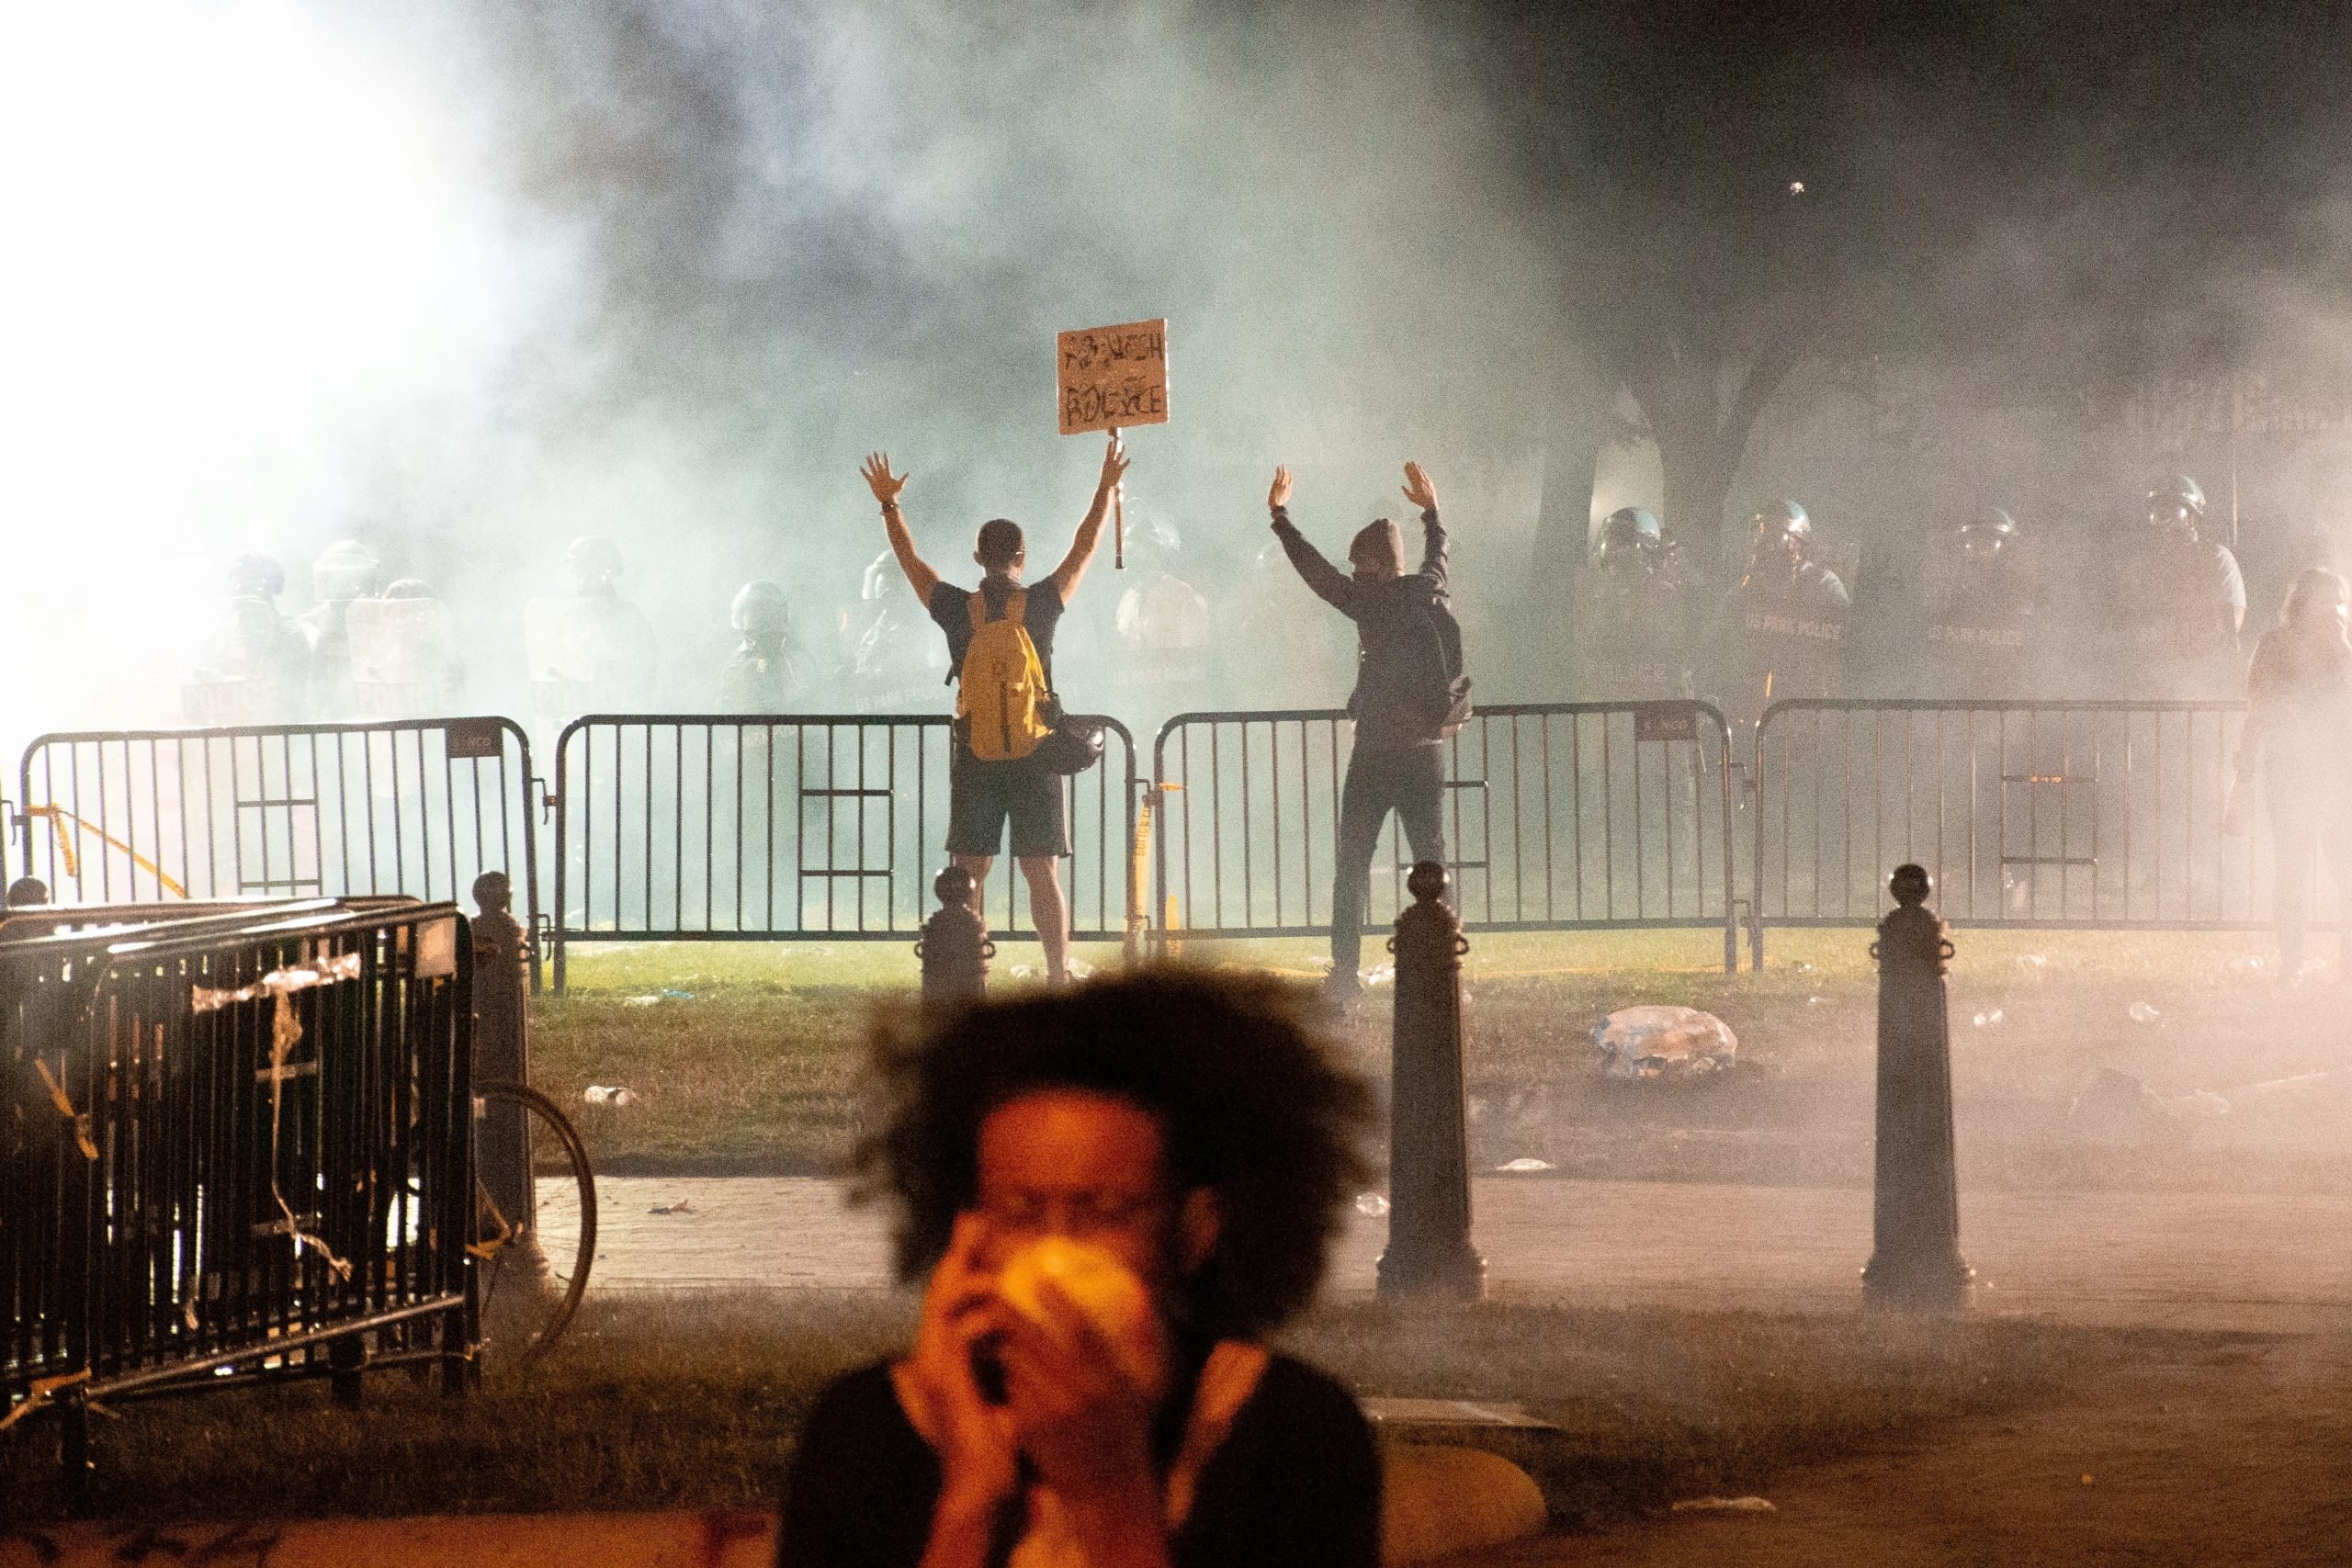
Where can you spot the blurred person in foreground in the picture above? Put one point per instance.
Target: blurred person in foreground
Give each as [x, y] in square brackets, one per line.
[2298, 739]
[1411, 694]
[1118, 1191]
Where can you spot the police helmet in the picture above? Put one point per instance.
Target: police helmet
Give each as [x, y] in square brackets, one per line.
[2176, 499]
[1988, 529]
[1629, 531]
[594, 561]
[1782, 520]
[255, 576]
[759, 609]
[880, 579]
[345, 569]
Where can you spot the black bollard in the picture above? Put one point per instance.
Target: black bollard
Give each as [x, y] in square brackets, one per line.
[1428, 1151]
[500, 977]
[955, 948]
[1915, 1259]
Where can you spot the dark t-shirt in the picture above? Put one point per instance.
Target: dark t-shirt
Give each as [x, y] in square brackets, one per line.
[1295, 1484]
[952, 607]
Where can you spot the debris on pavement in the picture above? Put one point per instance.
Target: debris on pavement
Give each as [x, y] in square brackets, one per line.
[1991, 1018]
[1522, 1166]
[609, 1094]
[1649, 1043]
[2141, 1012]
[682, 1206]
[2116, 1108]
[1730, 1505]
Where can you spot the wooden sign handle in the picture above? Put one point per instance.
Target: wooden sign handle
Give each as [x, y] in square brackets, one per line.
[1118, 520]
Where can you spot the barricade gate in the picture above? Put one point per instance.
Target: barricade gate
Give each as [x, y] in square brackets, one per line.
[1558, 817]
[415, 808]
[230, 1145]
[803, 827]
[2088, 816]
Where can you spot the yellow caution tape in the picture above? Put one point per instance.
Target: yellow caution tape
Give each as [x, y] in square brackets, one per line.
[65, 1103]
[42, 1392]
[59, 816]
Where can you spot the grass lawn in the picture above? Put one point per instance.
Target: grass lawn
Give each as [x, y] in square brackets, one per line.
[745, 1057]
[660, 1401]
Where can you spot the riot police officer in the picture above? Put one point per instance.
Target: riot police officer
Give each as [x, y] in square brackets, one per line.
[253, 663]
[1630, 625]
[1782, 630]
[404, 658]
[895, 666]
[1161, 622]
[593, 651]
[764, 673]
[2184, 601]
[344, 572]
[1980, 603]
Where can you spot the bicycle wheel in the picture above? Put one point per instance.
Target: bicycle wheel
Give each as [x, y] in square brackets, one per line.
[532, 1266]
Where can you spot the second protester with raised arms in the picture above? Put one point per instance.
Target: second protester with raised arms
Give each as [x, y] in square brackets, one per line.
[1411, 694]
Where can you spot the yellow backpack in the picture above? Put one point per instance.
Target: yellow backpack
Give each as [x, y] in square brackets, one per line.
[1001, 693]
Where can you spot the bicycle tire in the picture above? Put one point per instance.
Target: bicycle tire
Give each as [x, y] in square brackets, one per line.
[575, 1153]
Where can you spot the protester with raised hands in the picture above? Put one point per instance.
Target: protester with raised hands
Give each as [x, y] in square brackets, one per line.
[1411, 693]
[1001, 646]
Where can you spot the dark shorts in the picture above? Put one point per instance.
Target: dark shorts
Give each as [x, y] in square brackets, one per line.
[982, 796]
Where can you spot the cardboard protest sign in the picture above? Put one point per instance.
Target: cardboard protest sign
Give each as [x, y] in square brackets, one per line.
[1110, 378]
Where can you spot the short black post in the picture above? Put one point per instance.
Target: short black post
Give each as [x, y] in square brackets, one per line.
[1428, 1151]
[347, 1359]
[1915, 1259]
[73, 1450]
[501, 980]
[955, 948]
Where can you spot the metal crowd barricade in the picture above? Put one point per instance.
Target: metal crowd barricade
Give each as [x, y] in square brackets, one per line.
[801, 826]
[1558, 817]
[2090, 816]
[416, 808]
[233, 1146]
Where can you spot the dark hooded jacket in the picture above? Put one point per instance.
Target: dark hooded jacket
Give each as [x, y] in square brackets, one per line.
[1397, 677]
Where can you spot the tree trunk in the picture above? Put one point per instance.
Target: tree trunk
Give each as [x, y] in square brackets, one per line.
[1571, 455]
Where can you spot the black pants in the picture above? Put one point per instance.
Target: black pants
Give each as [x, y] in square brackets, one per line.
[1409, 781]
[2309, 821]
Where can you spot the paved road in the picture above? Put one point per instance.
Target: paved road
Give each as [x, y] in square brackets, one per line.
[2204, 1260]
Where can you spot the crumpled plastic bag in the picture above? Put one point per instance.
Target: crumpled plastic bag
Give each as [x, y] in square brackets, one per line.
[1650, 1042]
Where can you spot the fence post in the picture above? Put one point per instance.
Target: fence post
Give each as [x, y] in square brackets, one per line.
[74, 1451]
[1915, 1259]
[501, 959]
[1429, 1157]
[955, 948]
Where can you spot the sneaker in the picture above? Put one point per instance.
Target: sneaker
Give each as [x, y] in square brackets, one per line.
[1342, 989]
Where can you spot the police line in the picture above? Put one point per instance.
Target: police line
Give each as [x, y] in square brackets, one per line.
[823, 828]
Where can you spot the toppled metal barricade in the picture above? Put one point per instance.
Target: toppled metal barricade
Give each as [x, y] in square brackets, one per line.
[233, 1145]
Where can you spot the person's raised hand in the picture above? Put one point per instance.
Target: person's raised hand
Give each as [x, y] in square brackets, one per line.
[1114, 463]
[974, 1439]
[1417, 488]
[885, 484]
[1082, 1423]
[1278, 493]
